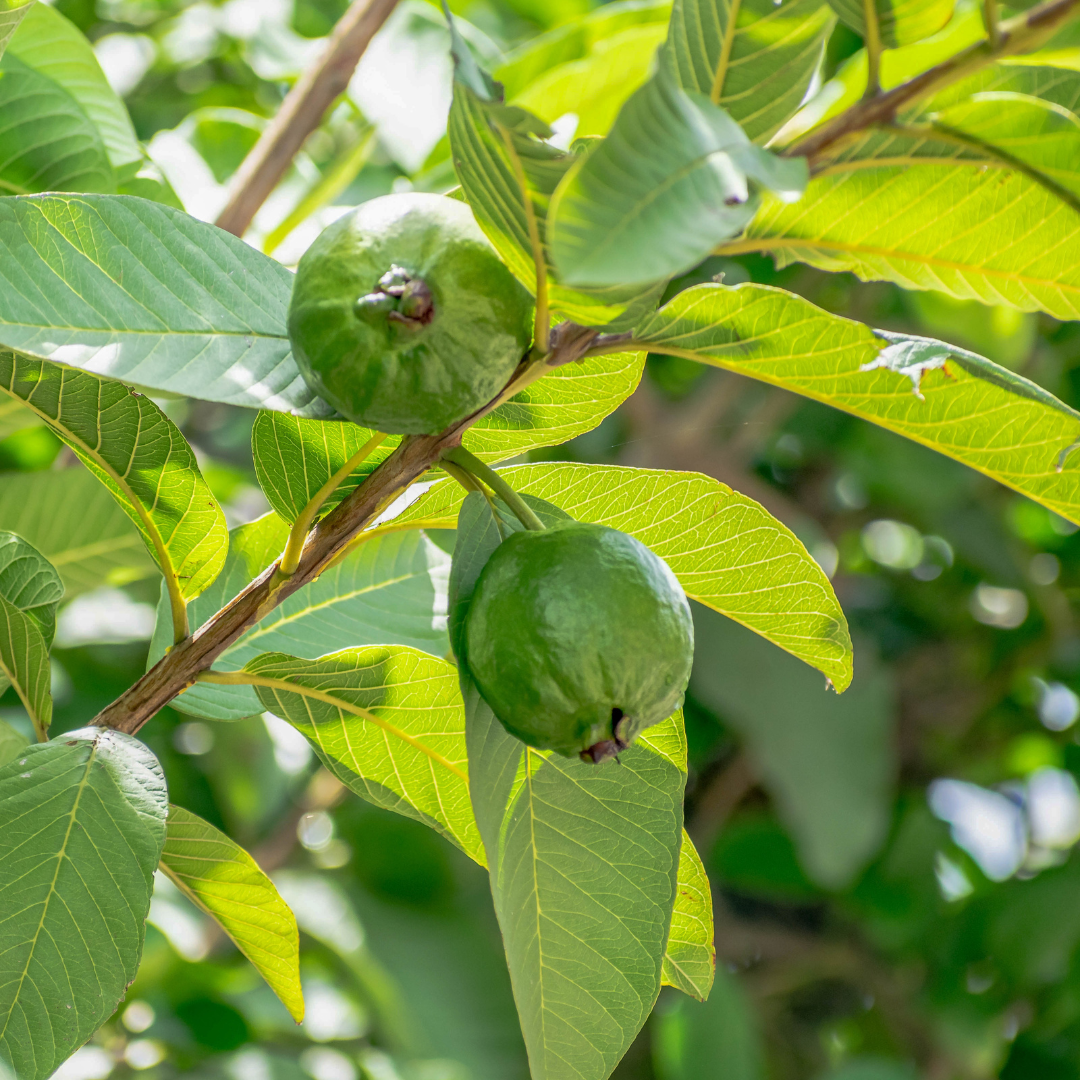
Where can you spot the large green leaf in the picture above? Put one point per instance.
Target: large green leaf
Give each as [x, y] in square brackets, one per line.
[388, 722]
[690, 958]
[755, 58]
[294, 457]
[225, 881]
[828, 762]
[717, 1040]
[953, 401]
[83, 828]
[900, 22]
[50, 45]
[11, 14]
[71, 518]
[675, 177]
[30, 582]
[583, 862]
[141, 292]
[493, 148]
[47, 142]
[137, 452]
[389, 590]
[982, 233]
[727, 551]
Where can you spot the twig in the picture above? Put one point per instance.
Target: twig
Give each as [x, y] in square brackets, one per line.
[301, 112]
[181, 666]
[1024, 33]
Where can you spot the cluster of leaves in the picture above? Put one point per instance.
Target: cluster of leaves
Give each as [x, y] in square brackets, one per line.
[600, 895]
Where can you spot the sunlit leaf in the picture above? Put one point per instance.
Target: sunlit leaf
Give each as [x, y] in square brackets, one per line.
[391, 589]
[388, 722]
[225, 881]
[84, 824]
[690, 959]
[133, 448]
[71, 518]
[11, 14]
[754, 58]
[951, 400]
[900, 22]
[138, 291]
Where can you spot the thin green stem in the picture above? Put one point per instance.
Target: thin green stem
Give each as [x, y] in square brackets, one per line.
[472, 464]
[471, 484]
[990, 18]
[290, 559]
[873, 48]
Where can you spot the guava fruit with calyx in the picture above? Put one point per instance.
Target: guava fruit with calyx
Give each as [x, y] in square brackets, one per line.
[578, 637]
[404, 318]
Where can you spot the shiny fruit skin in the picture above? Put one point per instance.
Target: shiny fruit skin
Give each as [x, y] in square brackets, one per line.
[417, 362]
[567, 625]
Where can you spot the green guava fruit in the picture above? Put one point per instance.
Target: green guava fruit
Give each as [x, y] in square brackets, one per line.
[578, 637]
[404, 318]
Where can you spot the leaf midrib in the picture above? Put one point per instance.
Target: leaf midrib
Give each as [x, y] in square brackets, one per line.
[83, 784]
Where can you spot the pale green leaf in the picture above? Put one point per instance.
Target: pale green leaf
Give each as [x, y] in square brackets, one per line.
[225, 881]
[389, 590]
[388, 721]
[137, 291]
[594, 87]
[71, 518]
[12, 743]
[83, 827]
[900, 22]
[726, 550]
[953, 401]
[828, 762]
[982, 233]
[754, 58]
[489, 177]
[716, 1040]
[50, 45]
[675, 177]
[47, 142]
[11, 15]
[583, 862]
[137, 452]
[690, 959]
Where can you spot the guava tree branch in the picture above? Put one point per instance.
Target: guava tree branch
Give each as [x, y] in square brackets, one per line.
[301, 112]
[1024, 33]
[180, 667]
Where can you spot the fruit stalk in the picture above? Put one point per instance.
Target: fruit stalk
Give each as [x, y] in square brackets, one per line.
[475, 467]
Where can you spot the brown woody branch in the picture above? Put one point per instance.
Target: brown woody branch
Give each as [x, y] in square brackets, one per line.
[179, 668]
[1024, 33]
[302, 112]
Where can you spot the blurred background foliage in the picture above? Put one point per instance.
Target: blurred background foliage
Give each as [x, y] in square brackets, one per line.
[896, 886]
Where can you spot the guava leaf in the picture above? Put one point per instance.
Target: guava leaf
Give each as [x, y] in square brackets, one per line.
[138, 291]
[388, 722]
[727, 551]
[389, 590]
[490, 159]
[30, 582]
[583, 860]
[946, 398]
[754, 58]
[24, 663]
[10, 17]
[674, 178]
[138, 453]
[71, 518]
[690, 958]
[53, 47]
[84, 824]
[900, 22]
[294, 457]
[220, 877]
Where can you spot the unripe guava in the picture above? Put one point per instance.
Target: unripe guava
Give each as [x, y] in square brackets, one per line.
[578, 637]
[404, 318]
